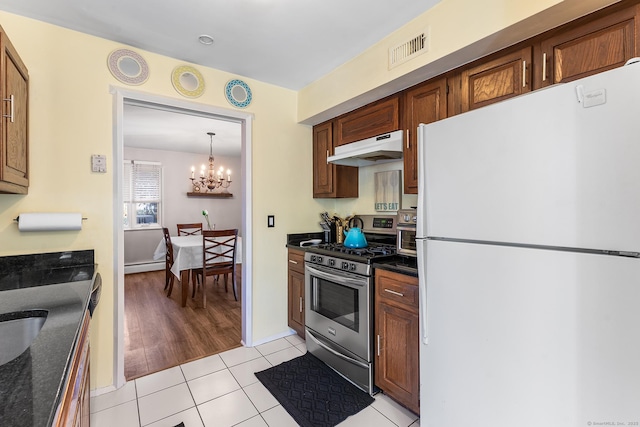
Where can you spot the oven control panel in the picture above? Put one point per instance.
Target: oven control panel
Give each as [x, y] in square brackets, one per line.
[338, 263]
[382, 222]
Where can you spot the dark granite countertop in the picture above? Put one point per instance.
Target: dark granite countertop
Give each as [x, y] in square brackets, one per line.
[293, 240]
[399, 264]
[32, 384]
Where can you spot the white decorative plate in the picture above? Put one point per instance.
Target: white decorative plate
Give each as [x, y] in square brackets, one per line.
[128, 66]
[187, 81]
[238, 93]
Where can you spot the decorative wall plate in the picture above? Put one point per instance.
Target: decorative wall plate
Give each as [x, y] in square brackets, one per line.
[238, 93]
[128, 66]
[187, 81]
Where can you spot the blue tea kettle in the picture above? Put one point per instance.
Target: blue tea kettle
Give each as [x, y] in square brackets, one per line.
[355, 237]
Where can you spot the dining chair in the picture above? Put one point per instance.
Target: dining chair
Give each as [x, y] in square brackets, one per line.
[190, 229]
[219, 257]
[169, 277]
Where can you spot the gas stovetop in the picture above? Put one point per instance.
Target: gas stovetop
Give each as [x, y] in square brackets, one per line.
[372, 251]
[337, 257]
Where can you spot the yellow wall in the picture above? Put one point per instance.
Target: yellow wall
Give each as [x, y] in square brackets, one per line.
[460, 31]
[71, 119]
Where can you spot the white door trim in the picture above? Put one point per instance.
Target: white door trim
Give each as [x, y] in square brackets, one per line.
[120, 97]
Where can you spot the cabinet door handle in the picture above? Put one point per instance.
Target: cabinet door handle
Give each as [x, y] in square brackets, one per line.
[293, 262]
[327, 156]
[394, 292]
[378, 345]
[301, 305]
[544, 66]
[408, 137]
[10, 115]
[524, 73]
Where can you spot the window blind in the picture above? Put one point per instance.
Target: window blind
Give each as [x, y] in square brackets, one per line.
[141, 183]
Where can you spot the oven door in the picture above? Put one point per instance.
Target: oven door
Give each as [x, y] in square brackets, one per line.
[338, 307]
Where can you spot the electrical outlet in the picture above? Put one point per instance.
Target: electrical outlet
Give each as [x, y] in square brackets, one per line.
[271, 221]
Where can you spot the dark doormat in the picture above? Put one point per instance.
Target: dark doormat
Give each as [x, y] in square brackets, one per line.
[312, 393]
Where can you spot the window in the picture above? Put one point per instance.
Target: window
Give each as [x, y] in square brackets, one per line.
[142, 188]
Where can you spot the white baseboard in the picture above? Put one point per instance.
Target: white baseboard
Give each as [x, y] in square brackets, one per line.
[141, 268]
[274, 337]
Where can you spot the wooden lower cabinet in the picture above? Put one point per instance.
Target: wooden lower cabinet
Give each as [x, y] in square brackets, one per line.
[74, 408]
[397, 361]
[295, 302]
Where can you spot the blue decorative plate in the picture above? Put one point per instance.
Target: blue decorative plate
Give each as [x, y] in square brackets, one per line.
[238, 93]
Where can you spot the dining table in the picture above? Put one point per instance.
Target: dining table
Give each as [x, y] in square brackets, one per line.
[187, 256]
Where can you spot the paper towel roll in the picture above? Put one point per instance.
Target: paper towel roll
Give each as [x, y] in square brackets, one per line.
[43, 221]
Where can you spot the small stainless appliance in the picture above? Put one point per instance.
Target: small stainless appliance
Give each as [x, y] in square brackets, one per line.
[339, 300]
[406, 231]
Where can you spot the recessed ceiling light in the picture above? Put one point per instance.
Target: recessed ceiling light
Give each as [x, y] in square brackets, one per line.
[205, 39]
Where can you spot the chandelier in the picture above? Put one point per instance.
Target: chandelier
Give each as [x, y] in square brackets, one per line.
[211, 179]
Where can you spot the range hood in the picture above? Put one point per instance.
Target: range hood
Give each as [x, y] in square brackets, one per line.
[379, 149]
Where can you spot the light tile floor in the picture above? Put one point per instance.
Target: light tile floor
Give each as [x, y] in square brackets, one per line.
[222, 390]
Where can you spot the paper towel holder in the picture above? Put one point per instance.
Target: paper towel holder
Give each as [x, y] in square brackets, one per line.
[50, 221]
[17, 219]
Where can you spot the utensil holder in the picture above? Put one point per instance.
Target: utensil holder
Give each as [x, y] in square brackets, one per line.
[339, 234]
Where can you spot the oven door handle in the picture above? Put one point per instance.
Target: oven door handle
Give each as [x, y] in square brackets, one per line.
[333, 277]
[335, 353]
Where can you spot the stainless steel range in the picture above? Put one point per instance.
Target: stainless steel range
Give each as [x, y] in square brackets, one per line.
[339, 300]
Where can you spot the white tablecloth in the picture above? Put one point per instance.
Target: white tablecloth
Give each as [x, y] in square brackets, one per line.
[187, 252]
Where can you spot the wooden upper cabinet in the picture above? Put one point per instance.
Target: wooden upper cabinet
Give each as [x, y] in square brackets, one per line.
[425, 103]
[371, 120]
[329, 180]
[496, 80]
[14, 78]
[589, 48]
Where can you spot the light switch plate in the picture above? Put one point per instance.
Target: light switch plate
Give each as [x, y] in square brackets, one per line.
[99, 163]
[271, 221]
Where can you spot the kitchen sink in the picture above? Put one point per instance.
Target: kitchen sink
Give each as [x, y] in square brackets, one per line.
[17, 331]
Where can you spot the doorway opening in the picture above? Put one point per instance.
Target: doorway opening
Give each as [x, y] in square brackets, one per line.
[122, 97]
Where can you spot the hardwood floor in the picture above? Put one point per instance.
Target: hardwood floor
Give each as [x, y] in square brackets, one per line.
[160, 334]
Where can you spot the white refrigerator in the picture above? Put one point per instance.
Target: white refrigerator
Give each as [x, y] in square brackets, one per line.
[528, 243]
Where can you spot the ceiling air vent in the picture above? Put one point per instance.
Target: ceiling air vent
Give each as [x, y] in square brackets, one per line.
[409, 49]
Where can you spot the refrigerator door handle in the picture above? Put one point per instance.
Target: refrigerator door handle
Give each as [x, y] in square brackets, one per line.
[421, 229]
[421, 246]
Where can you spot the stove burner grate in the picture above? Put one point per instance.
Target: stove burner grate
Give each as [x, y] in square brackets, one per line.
[372, 250]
